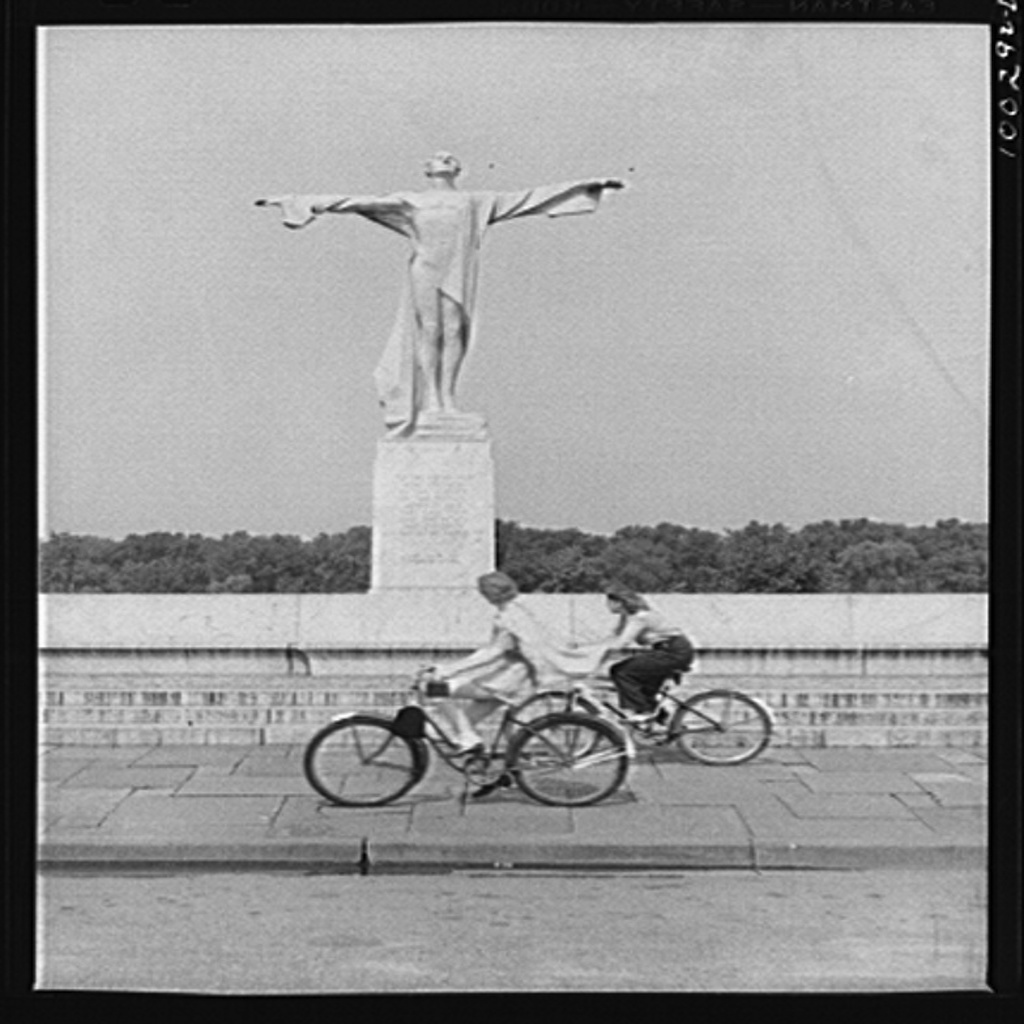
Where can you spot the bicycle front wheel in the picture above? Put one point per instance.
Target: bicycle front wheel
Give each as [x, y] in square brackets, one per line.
[568, 760]
[360, 762]
[721, 727]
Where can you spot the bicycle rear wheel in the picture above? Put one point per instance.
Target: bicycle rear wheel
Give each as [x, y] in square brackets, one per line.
[721, 727]
[568, 760]
[360, 762]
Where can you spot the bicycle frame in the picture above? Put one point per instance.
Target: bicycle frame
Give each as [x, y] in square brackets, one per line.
[443, 743]
[521, 752]
[507, 726]
[665, 701]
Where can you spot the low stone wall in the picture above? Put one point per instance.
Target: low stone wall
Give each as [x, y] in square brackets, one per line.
[838, 670]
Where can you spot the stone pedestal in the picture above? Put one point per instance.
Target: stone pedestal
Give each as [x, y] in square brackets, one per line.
[433, 511]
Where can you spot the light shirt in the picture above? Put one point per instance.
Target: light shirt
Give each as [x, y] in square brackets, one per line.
[646, 628]
[519, 635]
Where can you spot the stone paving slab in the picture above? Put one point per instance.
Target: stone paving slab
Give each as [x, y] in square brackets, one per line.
[73, 809]
[916, 800]
[358, 826]
[507, 829]
[251, 805]
[852, 760]
[286, 766]
[860, 782]
[924, 778]
[855, 831]
[60, 769]
[204, 771]
[795, 789]
[163, 757]
[673, 825]
[180, 814]
[243, 785]
[783, 755]
[711, 786]
[957, 794]
[98, 776]
[486, 821]
[954, 755]
[310, 807]
[845, 805]
[966, 823]
[106, 755]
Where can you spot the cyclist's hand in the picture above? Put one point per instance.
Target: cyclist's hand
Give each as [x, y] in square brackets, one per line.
[425, 674]
[436, 686]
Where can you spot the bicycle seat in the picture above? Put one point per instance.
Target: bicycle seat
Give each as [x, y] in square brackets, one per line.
[409, 722]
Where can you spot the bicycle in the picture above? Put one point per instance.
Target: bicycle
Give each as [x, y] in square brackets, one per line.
[564, 759]
[715, 727]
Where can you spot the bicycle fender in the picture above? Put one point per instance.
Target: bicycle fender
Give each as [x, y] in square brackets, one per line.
[764, 707]
[628, 737]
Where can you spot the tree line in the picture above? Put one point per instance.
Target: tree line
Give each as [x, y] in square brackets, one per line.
[849, 556]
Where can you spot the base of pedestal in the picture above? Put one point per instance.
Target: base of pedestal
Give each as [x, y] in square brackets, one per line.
[433, 512]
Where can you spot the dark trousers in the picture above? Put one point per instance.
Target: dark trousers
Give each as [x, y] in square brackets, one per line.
[639, 678]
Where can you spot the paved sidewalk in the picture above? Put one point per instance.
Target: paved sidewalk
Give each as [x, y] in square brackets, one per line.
[245, 806]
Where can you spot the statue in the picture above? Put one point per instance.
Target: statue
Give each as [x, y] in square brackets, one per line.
[418, 371]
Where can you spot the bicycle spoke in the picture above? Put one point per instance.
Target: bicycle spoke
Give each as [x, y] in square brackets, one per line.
[368, 758]
[569, 760]
[361, 762]
[721, 727]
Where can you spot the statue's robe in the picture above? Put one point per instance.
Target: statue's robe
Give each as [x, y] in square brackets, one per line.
[398, 379]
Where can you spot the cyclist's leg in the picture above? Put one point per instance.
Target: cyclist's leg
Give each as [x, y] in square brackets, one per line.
[480, 707]
[631, 695]
[638, 679]
[468, 705]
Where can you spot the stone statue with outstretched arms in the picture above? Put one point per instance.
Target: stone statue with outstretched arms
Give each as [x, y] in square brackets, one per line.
[418, 371]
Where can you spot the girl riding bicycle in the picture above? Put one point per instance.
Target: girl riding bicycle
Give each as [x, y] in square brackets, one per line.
[638, 678]
[521, 654]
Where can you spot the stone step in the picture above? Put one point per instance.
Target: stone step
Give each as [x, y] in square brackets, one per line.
[974, 712]
[821, 737]
[838, 693]
[119, 709]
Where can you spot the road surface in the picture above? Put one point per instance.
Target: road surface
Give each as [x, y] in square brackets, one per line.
[682, 932]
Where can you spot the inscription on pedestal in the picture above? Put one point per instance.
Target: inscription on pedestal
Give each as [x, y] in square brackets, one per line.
[431, 517]
[433, 514]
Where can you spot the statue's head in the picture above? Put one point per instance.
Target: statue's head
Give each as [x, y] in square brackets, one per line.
[443, 165]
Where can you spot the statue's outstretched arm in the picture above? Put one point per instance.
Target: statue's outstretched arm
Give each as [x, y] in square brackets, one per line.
[298, 211]
[554, 200]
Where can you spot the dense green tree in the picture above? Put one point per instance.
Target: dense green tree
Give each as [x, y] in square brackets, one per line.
[879, 567]
[532, 556]
[849, 555]
[766, 559]
[341, 562]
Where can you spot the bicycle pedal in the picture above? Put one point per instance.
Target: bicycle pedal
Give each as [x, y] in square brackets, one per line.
[504, 781]
[470, 753]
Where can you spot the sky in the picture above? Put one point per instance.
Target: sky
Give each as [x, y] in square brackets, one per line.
[784, 317]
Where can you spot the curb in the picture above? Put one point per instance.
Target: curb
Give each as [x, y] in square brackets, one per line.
[364, 857]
